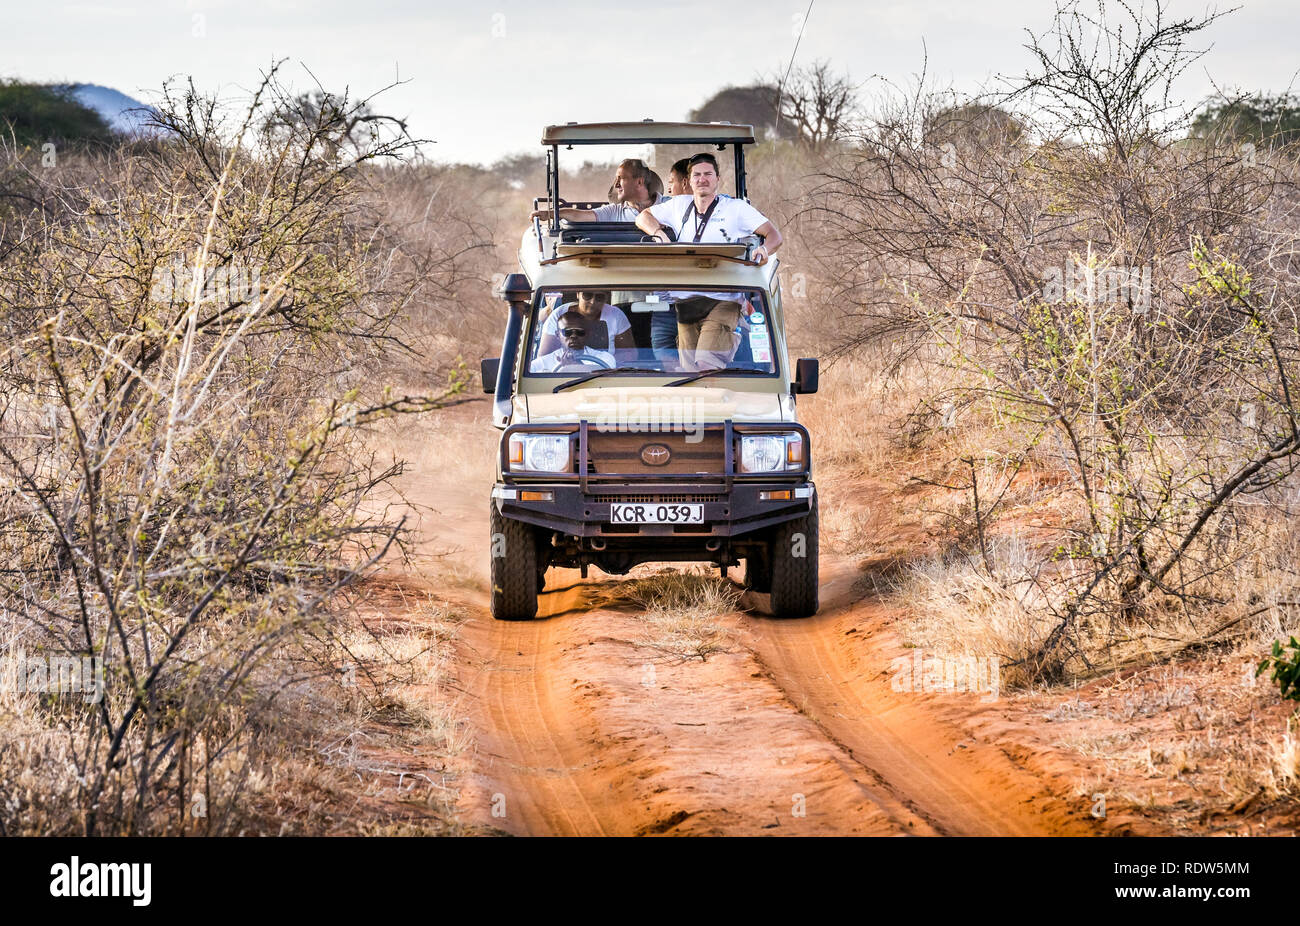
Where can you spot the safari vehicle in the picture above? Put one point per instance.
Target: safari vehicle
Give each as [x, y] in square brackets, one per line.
[628, 454]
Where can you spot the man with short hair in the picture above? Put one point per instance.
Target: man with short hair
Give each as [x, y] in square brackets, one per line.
[637, 188]
[706, 325]
[574, 354]
[708, 217]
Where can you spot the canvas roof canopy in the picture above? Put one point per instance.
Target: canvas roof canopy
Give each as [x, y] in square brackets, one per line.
[648, 132]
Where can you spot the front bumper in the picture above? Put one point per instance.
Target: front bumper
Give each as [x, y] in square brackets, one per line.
[728, 511]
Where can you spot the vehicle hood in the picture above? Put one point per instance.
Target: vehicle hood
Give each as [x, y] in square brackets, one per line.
[666, 407]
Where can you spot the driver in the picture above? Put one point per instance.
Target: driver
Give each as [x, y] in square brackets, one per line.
[575, 354]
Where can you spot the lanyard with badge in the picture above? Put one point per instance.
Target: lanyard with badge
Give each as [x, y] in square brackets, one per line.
[701, 222]
[697, 308]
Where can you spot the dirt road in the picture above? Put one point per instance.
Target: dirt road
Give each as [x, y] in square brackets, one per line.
[582, 726]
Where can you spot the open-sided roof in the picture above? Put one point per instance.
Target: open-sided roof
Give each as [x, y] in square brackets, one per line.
[648, 132]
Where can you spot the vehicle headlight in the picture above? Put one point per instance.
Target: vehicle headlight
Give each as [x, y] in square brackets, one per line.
[540, 453]
[771, 453]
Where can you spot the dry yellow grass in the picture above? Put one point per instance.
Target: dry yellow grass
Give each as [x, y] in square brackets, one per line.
[681, 612]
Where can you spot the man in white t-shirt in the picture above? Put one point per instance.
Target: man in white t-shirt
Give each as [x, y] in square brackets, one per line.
[707, 217]
[706, 335]
[574, 354]
[632, 189]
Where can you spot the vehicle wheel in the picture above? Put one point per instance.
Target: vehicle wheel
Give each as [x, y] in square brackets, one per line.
[758, 570]
[514, 574]
[793, 554]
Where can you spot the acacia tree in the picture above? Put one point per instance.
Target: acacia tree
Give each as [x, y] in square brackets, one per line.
[1122, 302]
[818, 104]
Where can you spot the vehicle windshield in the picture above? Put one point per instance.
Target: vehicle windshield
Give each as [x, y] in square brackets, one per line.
[667, 331]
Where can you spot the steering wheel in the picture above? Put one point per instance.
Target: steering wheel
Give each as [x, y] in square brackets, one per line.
[580, 364]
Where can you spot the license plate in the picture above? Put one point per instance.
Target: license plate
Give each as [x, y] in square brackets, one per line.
[656, 514]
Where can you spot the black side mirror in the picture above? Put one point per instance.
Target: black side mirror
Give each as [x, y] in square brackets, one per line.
[805, 376]
[489, 367]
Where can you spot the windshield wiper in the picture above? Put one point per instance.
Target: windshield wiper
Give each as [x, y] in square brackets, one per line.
[595, 373]
[722, 371]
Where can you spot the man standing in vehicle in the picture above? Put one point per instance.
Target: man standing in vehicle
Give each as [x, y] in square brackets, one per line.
[632, 185]
[706, 327]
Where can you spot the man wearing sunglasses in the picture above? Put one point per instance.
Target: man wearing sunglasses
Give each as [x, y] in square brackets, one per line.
[575, 355]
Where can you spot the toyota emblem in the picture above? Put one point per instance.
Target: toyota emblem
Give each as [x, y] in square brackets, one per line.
[655, 454]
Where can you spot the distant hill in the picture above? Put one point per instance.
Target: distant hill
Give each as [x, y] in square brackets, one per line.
[125, 115]
[37, 114]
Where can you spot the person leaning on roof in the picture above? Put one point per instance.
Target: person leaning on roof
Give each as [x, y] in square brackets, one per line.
[637, 188]
[706, 326]
[708, 217]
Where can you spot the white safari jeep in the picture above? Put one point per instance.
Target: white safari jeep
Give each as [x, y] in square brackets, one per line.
[616, 448]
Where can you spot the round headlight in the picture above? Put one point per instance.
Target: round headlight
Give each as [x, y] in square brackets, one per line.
[762, 453]
[547, 453]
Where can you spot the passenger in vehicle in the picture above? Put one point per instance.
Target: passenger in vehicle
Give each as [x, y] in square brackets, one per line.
[679, 178]
[637, 188]
[574, 353]
[595, 307]
[655, 185]
[706, 326]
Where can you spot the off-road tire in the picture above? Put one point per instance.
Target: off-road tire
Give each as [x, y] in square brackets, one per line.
[794, 578]
[514, 576]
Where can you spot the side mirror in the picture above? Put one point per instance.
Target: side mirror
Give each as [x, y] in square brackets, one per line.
[805, 376]
[489, 367]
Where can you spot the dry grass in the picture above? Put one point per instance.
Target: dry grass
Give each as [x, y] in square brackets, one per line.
[1286, 760]
[388, 730]
[855, 412]
[960, 610]
[682, 612]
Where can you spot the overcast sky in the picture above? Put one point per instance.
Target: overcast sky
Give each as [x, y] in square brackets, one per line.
[484, 77]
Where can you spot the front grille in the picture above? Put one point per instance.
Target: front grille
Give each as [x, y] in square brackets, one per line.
[620, 452]
[662, 499]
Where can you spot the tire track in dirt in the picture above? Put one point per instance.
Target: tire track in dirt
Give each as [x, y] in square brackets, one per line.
[580, 729]
[572, 743]
[530, 739]
[830, 667]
